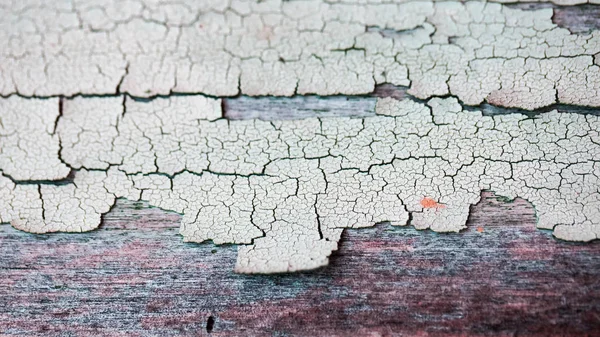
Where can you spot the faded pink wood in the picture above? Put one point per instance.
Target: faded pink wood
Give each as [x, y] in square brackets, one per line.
[135, 277]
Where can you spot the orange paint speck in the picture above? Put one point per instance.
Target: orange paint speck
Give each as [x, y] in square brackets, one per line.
[480, 229]
[430, 203]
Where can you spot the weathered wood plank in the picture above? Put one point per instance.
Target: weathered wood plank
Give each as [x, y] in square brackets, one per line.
[134, 276]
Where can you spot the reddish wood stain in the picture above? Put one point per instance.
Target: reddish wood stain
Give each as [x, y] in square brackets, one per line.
[135, 277]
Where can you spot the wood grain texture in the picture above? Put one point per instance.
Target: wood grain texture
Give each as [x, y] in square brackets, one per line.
[298, 107]
[135, 277]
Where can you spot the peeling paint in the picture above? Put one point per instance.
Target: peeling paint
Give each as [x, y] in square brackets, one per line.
[476, 51]
[127, 102]
[285, 190]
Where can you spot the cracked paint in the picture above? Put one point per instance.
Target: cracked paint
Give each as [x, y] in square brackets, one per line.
[285, 190]
[476, 51]
[92, 112]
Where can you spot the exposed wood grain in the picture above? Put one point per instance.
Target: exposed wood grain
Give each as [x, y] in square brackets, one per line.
[298, 107]
[134, 276]
[578, 19]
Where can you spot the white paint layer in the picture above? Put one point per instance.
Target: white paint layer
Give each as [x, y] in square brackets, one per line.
[285, 190]
[476, 51]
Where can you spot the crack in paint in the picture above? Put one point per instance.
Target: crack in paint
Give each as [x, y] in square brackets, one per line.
[285, 189]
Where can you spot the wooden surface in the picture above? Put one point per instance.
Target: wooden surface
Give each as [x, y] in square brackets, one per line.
[135, 277]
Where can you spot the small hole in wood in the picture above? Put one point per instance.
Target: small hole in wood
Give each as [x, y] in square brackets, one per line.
[210, 323]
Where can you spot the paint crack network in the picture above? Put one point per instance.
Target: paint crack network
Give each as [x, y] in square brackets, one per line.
[285, 190]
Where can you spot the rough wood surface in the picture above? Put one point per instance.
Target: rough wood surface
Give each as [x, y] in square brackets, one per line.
[135, 277]
[298, 107]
